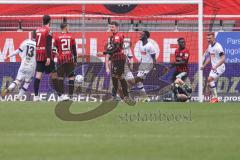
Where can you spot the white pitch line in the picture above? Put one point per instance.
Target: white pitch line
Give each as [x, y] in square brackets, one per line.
[139, 136]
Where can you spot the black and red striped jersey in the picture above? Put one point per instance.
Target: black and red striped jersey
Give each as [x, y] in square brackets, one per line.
[64, 43]
[43, 44]
[182, 55]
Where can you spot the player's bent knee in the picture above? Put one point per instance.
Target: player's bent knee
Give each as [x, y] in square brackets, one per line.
[210, 79]
[39, 75]
[179, 81]
[138, 79]
[53, 75]
[182, 98]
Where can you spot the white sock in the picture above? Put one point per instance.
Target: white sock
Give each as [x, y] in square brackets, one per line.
[23, 89]
[213, 89]
[21, 93]
[12, 85]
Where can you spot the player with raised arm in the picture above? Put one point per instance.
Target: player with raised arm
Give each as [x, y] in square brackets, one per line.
[217, 59]
[27, 68]
[44, 56]
[66, 58]
[115, 53]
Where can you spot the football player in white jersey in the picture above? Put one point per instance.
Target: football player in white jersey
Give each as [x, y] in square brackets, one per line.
[26, 71]
[216, 57]
[148, 62]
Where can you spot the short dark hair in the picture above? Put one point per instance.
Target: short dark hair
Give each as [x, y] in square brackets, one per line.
[46, 19]
[63, 25]
[147, 33]
[34, 34]
[114, 23]
[181, 38]
[211, 34]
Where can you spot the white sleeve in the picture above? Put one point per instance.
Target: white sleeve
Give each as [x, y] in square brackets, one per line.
[19, 50]
[151, 49]
[22, 46]
[220, 49]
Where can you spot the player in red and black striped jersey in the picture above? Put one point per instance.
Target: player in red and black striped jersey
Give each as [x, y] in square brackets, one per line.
[181, 61]
[115, 53]
[66, 58]
[181, 64]
[44, 56]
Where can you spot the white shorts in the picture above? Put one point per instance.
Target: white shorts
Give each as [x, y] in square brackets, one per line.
[128, 75]
[144, 69]
[25, 74]
[218, 73]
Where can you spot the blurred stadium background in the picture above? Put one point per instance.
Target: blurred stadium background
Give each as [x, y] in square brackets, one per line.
[90, 24]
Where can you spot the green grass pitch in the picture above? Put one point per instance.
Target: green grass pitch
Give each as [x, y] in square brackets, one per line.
[152, 131]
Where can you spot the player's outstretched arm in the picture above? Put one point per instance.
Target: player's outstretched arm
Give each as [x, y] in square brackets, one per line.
[205, 63]
[14, 53]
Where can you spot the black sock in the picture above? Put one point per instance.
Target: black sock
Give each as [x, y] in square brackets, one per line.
[71, 87]
[36, 86]
[124, 87]
[56, 86]
[115, 84]
[60, 87]
[114, 93]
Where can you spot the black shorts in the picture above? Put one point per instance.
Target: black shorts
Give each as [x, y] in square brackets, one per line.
[41, 67]
[66, 70]
[118, 67]
[177, 73]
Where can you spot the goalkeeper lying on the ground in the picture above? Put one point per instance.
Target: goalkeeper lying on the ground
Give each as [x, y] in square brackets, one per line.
[182, 92]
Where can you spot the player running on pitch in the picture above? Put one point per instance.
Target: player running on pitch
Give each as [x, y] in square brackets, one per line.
[217, 58]
[27, 68]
